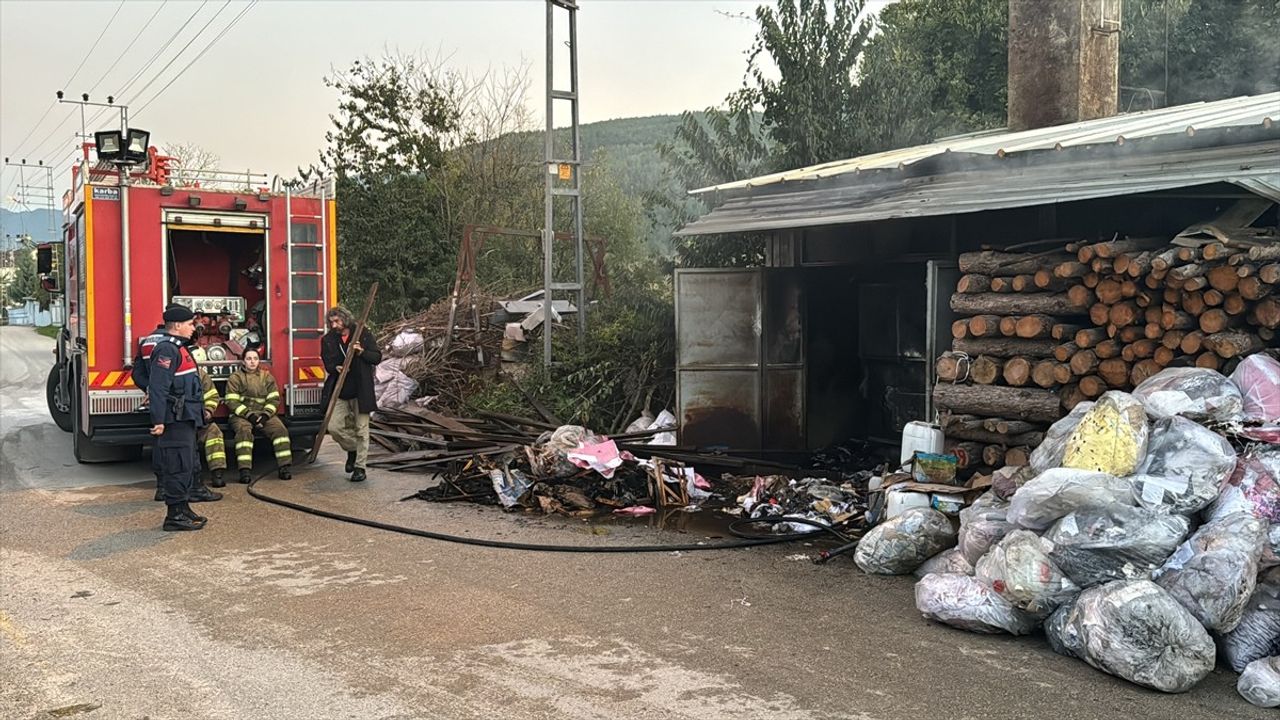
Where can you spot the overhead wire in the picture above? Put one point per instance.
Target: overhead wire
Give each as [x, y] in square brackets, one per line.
[85, 59]
[194, 60]
[142, 69]
[49, 109]
[174, 59]
[129, 47]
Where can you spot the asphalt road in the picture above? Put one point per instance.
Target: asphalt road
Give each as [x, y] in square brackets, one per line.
[270, 613]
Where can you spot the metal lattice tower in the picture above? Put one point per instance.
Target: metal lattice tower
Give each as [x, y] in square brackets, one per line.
[563, 179]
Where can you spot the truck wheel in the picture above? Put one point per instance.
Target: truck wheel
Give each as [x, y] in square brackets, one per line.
[59, 401]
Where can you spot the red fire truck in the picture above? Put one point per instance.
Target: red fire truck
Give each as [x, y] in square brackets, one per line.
[258, 267]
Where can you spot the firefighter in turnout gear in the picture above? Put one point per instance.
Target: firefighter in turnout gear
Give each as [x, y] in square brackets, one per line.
[253, 399]
[210, 436]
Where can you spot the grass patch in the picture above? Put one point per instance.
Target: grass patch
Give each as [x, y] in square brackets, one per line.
[50, 331]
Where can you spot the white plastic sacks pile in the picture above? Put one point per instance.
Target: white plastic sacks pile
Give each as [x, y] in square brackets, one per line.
[1095, 541]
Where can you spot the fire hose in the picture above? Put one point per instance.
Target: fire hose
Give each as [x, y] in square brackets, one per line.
[744, 539]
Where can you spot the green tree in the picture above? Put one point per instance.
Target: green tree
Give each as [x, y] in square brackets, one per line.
[936, 68]
[1202, 50]
[24, 283]
[808, 104]
[397, 117]
[708, 148]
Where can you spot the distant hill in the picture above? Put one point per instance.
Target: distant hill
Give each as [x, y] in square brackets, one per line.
[630, 143]
[36, 222]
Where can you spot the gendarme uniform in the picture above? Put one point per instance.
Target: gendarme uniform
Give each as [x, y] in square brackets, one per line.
[210, 436]
[174, 393]
[253, 400]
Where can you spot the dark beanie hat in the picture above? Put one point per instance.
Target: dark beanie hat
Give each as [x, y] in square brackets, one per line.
[178, 313]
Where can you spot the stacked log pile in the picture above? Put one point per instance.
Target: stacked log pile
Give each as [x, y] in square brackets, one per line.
[1041, 332]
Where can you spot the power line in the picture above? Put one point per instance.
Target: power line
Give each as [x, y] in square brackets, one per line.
[37, 125]
[143, 68]
[129, 46]
[150, 61]
[73, 76]
[184, 49]
[95, 45]
[206, 49]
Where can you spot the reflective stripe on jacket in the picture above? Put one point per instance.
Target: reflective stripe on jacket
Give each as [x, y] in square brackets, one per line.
[252, 392]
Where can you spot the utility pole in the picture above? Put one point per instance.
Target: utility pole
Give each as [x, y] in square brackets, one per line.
[45, 191]
[563, 179]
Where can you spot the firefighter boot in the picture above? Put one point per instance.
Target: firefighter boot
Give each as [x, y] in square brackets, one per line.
[245, 477]
[200, 493]
[186, 510]
[215, 479]
[351, 461]
[358, 475]
[178, 521]
[285, 472]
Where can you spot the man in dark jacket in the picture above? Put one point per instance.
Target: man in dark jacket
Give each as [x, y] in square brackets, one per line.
[173, 390]
[349, 425]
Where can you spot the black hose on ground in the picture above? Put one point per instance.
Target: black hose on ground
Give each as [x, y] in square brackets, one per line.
[747, 541]
[775, 519]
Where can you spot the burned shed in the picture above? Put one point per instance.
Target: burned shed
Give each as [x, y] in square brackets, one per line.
[837, 336]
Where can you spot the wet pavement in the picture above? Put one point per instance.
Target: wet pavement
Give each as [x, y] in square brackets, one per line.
[272, 613]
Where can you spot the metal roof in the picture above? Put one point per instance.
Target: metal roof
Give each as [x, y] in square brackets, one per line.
[1031, 178]
[1253, 110]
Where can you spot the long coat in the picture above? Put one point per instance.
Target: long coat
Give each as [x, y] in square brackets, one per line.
[359, 383]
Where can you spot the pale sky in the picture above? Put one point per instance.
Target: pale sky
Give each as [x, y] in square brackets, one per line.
[256, 98]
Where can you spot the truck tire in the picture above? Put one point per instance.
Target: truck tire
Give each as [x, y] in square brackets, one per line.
[59, 410]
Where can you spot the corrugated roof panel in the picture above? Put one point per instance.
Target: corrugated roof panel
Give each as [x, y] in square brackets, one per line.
[1079, 177]
[1233, 112]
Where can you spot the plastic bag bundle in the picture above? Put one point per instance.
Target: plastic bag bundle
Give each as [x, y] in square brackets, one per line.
[901, 544]
[1006, 481]
[964, 602]
[1195, 393]
[1054, 493]
[976, 538]
[1258, 633]
[1134, 630]
[1260, 682]
[982, 524]
[1254, 486]
[1271, 553]
[1115, 543]
[1062, 630]
[1214, 573]
[947, 562]
[1258, 379]
[548, 458]
[1185, 468]
[1111, 438]
[1048, 454]
[1019, 569]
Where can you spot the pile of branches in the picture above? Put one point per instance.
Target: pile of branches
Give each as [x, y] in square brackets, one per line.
[445, 367]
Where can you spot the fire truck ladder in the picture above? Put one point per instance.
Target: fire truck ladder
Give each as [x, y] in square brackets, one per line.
[563, 179]
[308, 286]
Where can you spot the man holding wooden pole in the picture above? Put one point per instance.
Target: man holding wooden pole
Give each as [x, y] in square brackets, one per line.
[349, 411]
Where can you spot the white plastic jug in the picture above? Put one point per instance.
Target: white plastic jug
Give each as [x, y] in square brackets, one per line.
[920, 437]
[897, 502]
